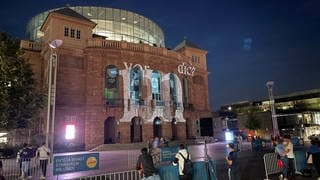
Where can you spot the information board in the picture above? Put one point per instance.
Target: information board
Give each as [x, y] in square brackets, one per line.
[74, 163]
[168, 153]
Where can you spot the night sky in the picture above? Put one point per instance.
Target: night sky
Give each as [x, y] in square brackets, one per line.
[248, 42]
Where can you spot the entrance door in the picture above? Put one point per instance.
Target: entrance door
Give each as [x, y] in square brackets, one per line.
[136, 130]
[109, 130]
[157, 127]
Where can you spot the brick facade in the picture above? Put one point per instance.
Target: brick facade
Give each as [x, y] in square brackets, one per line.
[81, 84]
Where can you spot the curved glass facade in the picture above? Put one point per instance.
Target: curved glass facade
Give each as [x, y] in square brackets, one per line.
[114, 24]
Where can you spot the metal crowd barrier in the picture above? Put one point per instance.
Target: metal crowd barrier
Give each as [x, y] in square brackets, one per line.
[126, 175]
[202, 171]
[11, 169]
[270, 164]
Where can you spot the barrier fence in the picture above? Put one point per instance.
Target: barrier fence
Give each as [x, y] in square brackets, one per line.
[270, 163]
[201, 171]
[126, 175]
[12, 168]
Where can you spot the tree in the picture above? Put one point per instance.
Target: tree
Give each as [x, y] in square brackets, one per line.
[252, 123]
[20, 101]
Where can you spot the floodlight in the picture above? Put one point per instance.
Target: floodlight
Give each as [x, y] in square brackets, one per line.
[55, 43]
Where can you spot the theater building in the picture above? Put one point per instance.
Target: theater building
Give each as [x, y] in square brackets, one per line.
[116, 82]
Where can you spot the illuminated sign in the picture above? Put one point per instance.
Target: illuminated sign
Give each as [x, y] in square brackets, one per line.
[74, 163]
[186, 69]
[130, 66]
[182, 68]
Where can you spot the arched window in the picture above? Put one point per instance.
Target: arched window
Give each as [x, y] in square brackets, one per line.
[111, 82]
[155, 85]
[136, 83]
[172, 86]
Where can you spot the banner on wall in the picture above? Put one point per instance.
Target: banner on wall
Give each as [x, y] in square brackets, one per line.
[74, 163]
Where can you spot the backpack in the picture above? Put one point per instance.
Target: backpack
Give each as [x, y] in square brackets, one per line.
[187, 167]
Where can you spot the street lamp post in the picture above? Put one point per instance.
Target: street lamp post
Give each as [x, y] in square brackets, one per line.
[49, 97]
[52, 79]
[269, 85]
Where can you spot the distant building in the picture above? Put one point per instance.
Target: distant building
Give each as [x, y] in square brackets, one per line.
[116, 81]
[297, 114]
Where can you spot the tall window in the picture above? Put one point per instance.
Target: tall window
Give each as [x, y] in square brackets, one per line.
[66, 31]
[111, 82]
[155, 84]
[136, 83]
[172, 86]
[72, 33]
[78, 34]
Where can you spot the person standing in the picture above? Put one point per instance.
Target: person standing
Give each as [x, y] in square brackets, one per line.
[232, 161]
[146, 167]
[314, 152]
[156, 143]
[18, 160]
[282, 155]
[179, 160]
[43, 153]
[26, 155]
[289, 152]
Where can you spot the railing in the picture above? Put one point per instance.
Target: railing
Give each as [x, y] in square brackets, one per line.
[201, 171]
[126, 175]
[12, 168]
[133, 47]
[28, 45]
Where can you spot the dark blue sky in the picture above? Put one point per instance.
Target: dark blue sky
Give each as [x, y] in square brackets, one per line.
[248, 42]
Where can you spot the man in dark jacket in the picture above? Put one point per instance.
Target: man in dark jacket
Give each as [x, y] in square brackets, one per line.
[145, 165]
[26, 155]
[232, 161]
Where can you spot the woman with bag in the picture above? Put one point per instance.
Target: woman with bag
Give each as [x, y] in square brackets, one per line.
[313, 160]
[282, 156]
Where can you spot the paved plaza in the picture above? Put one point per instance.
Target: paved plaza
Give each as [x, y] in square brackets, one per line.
[251, 163]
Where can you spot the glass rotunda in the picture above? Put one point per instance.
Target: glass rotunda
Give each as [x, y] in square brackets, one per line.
[113, 24]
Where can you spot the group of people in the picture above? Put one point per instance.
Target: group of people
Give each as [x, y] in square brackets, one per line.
[146, 166]
[284, 151]
[24, 156]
